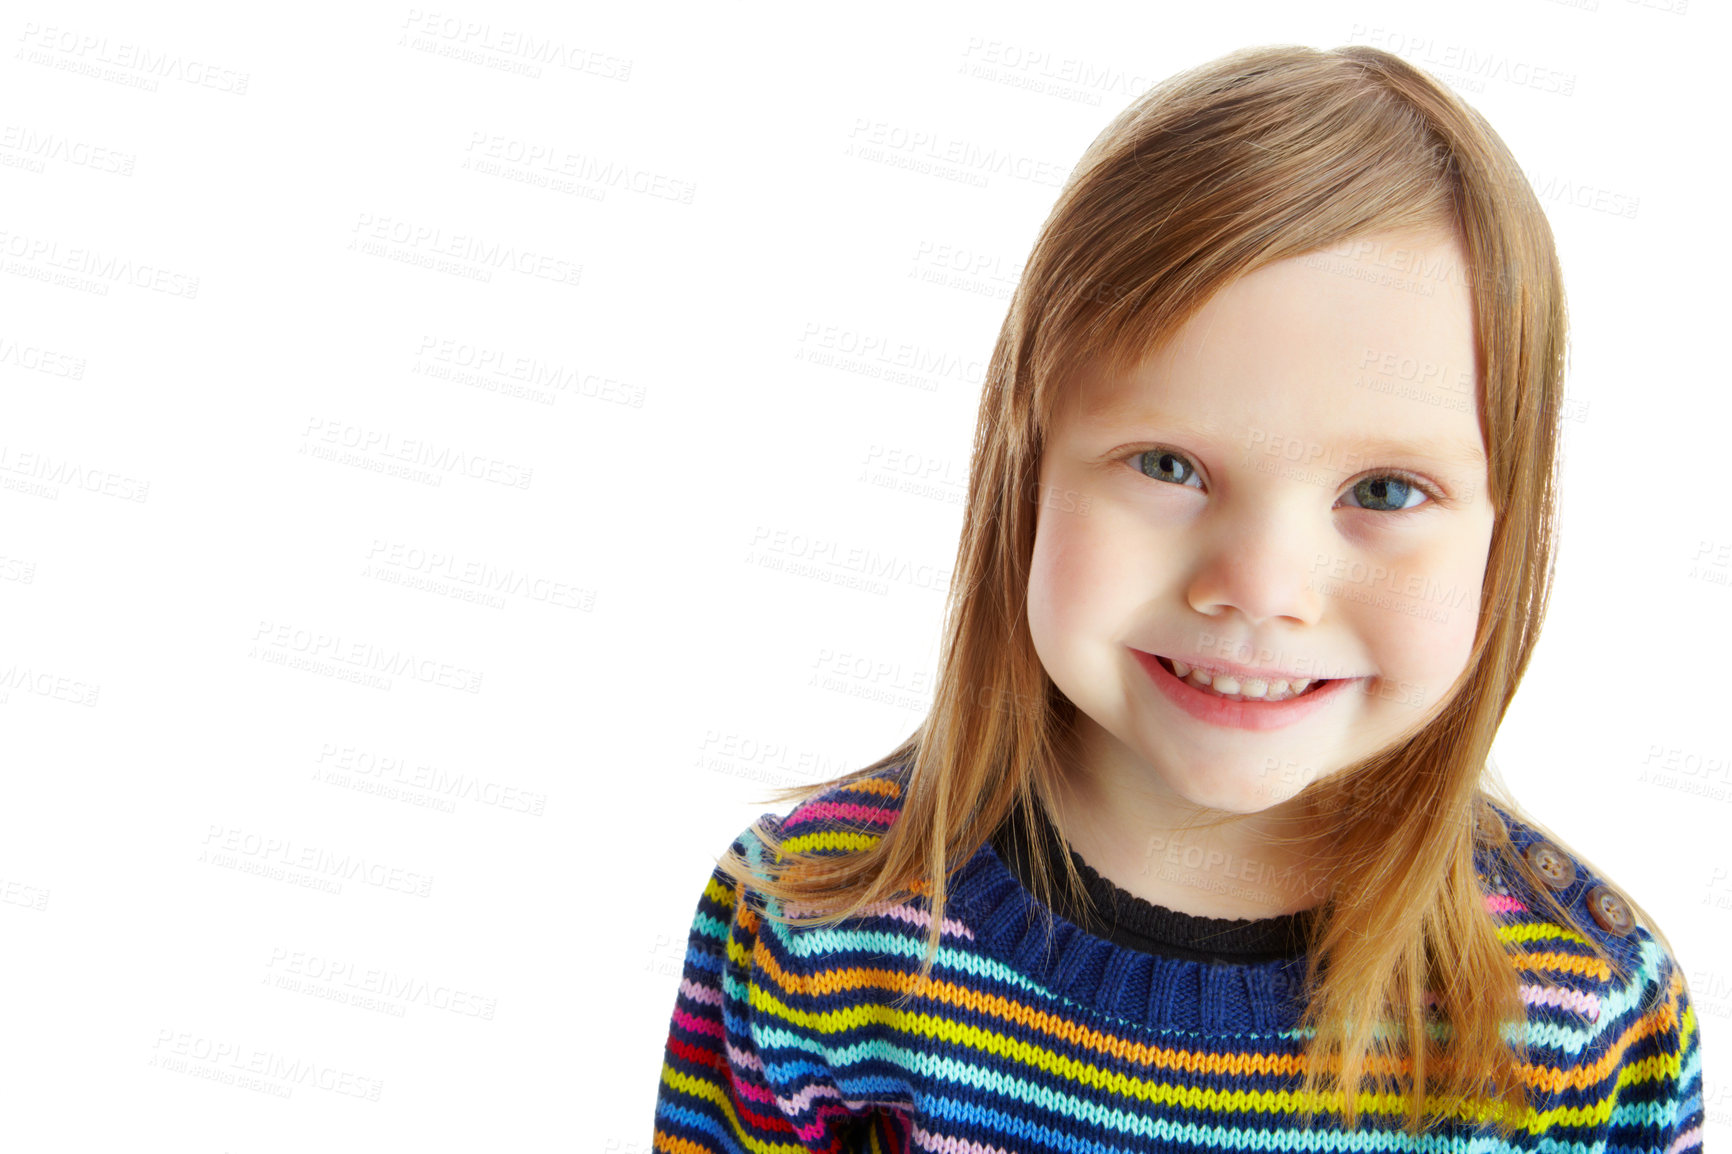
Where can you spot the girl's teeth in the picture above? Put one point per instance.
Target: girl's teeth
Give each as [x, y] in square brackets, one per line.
[1250, 689]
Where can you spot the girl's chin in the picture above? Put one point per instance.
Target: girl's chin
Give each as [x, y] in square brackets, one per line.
[1236, 786]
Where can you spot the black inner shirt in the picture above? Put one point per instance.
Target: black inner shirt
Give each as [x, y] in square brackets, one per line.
[1137, 924]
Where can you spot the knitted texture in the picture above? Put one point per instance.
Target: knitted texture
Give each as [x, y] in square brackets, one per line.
[1027, 1040]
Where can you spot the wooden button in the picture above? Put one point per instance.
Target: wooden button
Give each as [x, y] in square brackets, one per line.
[1610, 910]
[1552, 864]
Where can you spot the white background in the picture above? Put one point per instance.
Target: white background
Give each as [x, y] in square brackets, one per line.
[203, 609]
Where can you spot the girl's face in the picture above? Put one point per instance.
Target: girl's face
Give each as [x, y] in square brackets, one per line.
[1293, 486]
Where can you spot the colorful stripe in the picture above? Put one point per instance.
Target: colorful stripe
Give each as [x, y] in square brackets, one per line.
[791, 1040]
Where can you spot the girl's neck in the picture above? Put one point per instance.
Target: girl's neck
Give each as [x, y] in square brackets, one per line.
[1171, 853]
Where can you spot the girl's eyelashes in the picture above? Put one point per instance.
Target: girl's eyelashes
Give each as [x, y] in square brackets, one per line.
[1391, 491]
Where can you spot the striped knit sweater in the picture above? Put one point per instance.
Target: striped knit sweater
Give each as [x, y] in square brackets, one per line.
[784, 1040]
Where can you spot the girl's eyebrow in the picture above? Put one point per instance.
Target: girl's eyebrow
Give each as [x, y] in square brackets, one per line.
[1447, 450]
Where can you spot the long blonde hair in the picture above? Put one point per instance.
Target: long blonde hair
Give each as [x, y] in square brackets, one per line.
[1265, 154]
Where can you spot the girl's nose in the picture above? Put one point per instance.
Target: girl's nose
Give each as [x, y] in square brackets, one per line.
[1262, 567]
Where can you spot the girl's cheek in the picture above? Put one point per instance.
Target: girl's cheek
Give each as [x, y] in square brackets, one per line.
[1439, 630]
[1059, 573]
[1463, 621]
[1080, 571]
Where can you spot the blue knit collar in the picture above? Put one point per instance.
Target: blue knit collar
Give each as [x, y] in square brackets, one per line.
[1111, 912]
[1139, 990]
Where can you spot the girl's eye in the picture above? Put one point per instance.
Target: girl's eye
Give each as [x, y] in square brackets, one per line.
[1162, 464]
[1389, 493]
[1382, 492]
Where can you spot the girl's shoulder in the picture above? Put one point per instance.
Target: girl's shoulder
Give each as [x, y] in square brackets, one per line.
[1533, 862]
[1631, 1026]
[843, 816]
[1533, 858]
[849, 814]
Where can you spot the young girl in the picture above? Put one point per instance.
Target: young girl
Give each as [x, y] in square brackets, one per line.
[1199, 847]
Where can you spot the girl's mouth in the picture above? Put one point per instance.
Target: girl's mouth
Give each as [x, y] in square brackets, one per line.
[1241, 689]
[1253, 704]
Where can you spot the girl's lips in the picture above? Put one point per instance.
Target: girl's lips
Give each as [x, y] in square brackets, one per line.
[1258, 715]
